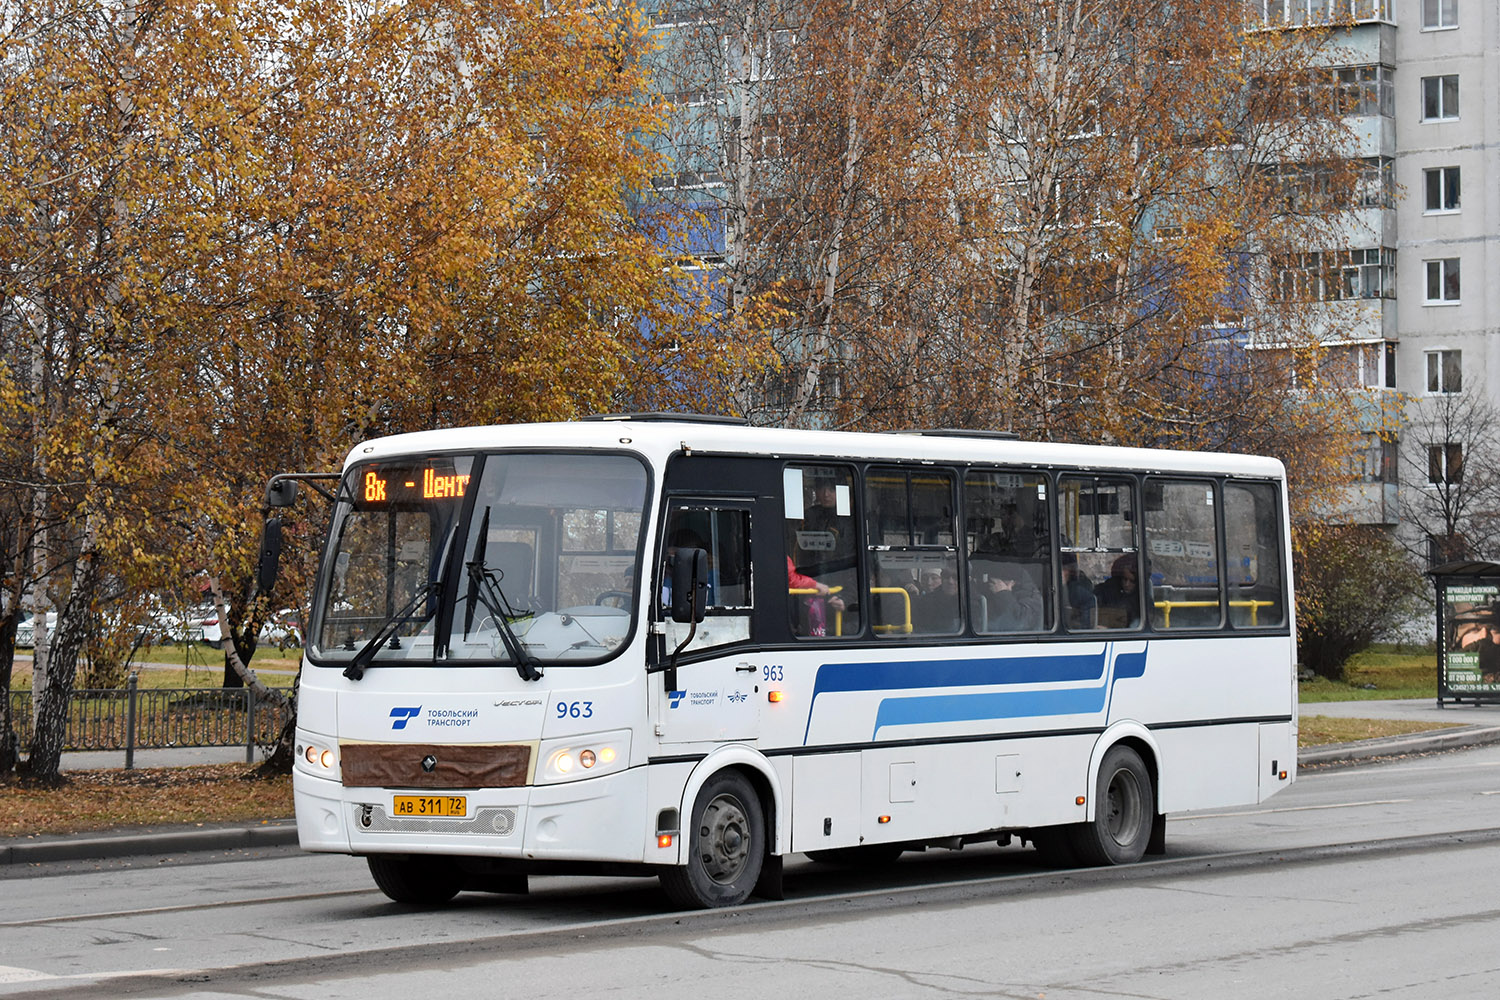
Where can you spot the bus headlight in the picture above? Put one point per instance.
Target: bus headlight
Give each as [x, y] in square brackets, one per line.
[583, 756]
[317, 756]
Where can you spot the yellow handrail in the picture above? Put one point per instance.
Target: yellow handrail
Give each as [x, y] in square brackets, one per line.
[1254, 607]
[906, 599]
[838, 615]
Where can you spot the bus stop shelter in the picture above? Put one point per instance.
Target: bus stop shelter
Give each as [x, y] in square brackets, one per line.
[1468, 632]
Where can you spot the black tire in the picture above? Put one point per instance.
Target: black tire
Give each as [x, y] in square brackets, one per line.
[863, 856]
[726, 846]
[1125, 808]
[415, 879]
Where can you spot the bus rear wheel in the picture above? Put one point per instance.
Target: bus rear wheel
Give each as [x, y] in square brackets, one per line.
[415, 879]
[726, 846]
[1125, 809]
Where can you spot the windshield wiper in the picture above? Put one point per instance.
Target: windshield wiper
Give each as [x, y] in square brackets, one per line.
[387, 630]
[483, 586]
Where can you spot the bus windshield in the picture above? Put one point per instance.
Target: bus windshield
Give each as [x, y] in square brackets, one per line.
[482, 558]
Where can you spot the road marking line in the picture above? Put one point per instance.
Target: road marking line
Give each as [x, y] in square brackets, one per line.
[10, 974]
[1293, 809]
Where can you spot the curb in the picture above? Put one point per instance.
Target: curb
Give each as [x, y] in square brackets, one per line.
[91, 848]
[1391, 746]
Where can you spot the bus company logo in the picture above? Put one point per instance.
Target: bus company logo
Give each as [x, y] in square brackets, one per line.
[401, 716]
[735, 697]
[674, 698]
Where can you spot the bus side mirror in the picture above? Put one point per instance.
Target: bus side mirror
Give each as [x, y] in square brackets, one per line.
[281, 492]
[269, 562]
[689, 585]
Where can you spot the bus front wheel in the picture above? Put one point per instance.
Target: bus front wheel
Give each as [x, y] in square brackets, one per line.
[726, 846]
[415, 879]
[1125, 808]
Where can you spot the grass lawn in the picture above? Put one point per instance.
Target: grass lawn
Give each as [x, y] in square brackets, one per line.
[186, 665]
[1383, 672]
[1320, 730]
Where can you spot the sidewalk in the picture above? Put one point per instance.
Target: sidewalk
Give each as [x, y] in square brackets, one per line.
[1475, 726]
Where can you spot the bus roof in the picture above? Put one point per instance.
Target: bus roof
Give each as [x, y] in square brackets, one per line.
[658, 438]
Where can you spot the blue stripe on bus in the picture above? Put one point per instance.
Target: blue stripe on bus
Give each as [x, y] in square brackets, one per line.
[994, 705]
[887, 675]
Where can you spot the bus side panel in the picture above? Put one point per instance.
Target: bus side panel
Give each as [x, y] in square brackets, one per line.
[588, 819]
[1210, 678]
[1206, 767]
[1278, 757]
[950, 790]
[826, 809]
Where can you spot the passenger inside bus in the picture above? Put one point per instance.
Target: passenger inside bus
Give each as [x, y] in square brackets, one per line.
[937, 607]
[817, 606]
[1079, 602]
[1007, 599]
[1118, 597]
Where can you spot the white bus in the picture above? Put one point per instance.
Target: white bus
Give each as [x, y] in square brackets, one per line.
[685, 647]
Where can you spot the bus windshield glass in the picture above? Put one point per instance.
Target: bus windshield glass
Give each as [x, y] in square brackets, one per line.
[483, 558]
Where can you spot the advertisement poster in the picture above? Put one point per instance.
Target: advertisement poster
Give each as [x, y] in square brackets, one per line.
[1471, 654]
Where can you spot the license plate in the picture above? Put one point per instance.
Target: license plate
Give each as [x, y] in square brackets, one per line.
[430, 805]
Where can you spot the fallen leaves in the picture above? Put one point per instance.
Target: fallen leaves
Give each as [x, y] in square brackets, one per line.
[113, 799]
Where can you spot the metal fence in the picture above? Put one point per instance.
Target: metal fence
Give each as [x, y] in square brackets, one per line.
[133, 718]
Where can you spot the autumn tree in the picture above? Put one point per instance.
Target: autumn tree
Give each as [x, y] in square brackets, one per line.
[1355, 586]
[1064, 218]
[239, 239]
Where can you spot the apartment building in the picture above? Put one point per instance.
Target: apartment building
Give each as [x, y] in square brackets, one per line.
[1420, 80]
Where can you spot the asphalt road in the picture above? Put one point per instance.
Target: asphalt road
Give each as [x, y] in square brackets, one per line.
[1356, 882]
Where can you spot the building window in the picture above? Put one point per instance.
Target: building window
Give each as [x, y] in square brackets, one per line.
[1445, 371]
[1445, 463]
[1442, 189]
[1364, 90]
[1375, 461]
[1442, 280]
[1331, 275]
[1281, 13]
[1439, 14]
[1439, 97]
[1390, 364]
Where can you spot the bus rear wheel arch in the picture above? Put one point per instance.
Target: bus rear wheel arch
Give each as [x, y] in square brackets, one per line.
[1125, 819]
[726, 846]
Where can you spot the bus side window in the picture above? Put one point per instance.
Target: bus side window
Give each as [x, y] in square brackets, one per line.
[1254, 551]
[913, 558]
[1100, 553]
[1182, 544]
[1008, 527]
[822, 550]
[724, 533]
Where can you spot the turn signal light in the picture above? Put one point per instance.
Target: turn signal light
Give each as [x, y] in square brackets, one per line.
[1080, 800]
[664, 840]
[882, 819]
[775, 696]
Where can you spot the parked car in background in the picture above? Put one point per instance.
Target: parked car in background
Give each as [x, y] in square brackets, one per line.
[283, 629]
[26, 630]
[204, 621]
